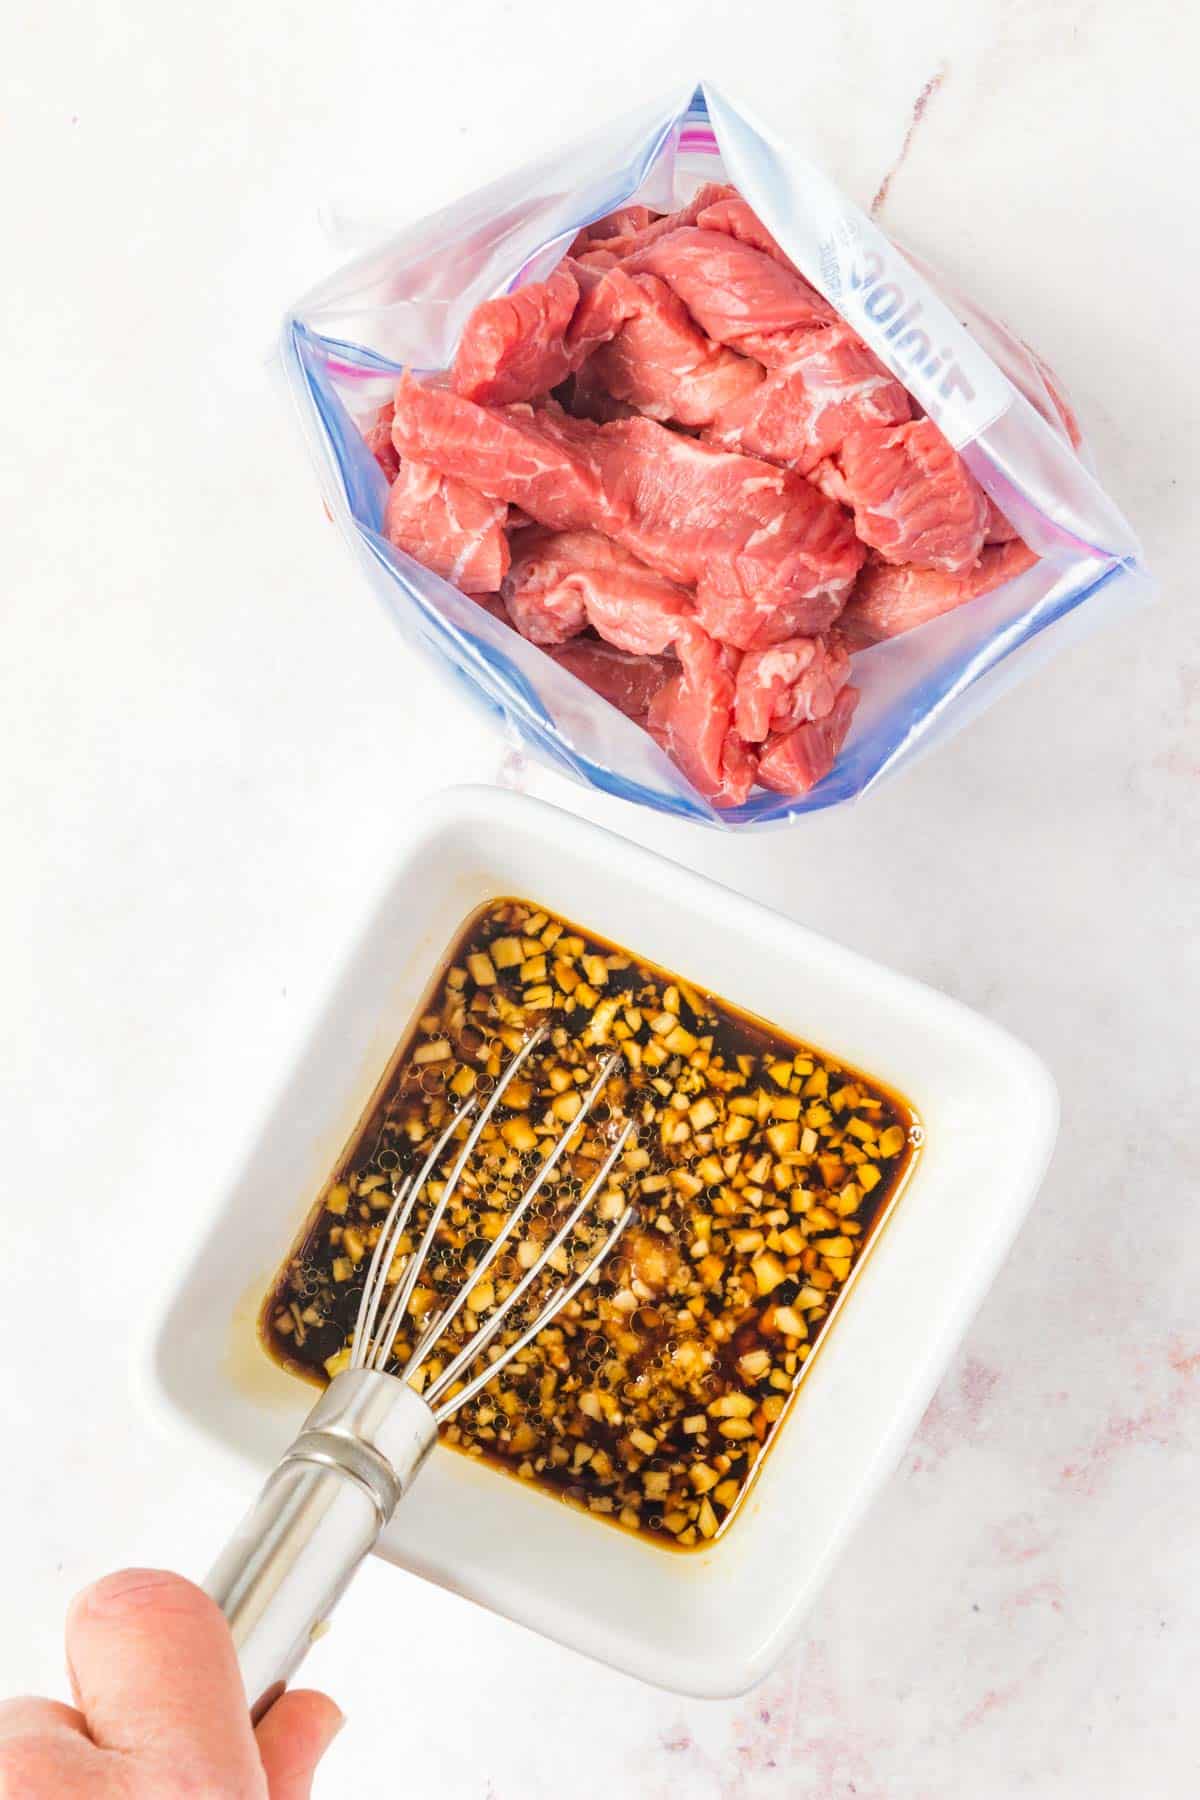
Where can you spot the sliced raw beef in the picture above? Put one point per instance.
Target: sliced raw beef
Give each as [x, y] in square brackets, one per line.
[913, 497]
[622, 223]
[740, 600]
[735, 293]
[561, 581]
[692, 719]
[888, 600]
[830, 480]
[662, 364]
[378, 438]
[515, 346]
[709, 489]
[787, 685]
[449, 527]
[543, 606]
[584, 396]
[769, 556]
[597, 256]
[606, 299]
[635, 610]
[796, 760]
[626, 243]
[521, 345]
[734, 216]
[511, 454]
[627, 682]
[801, 412]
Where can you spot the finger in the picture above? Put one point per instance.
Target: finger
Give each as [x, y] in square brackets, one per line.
[45, 1750]
[25, 1716]
[154, 1669]
[293, 1738]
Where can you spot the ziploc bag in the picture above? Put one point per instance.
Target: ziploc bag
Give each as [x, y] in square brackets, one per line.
[404, 306]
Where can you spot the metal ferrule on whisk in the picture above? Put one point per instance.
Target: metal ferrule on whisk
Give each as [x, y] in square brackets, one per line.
[325, 1504]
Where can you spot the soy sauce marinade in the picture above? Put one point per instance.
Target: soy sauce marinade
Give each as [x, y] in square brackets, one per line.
[759, 1171]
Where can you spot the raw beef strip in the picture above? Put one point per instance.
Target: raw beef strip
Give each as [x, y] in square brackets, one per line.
[379, 442]
[638, 611]
[627, 682]
[662, 364]
[796, 760]
[623, 222]
[511, 454]
[449, 527]
[801, 412]
[692, 719]
[888, 600]
[523, 344]
[832, 483]
[597, 256]
[627, 243]
[548, 612]
[515, 346]
[914, 500]
[736, 217]
[606, 299]
[787, 685]
[735, 293]
[584, 396]
[561, 581]
[769, 557]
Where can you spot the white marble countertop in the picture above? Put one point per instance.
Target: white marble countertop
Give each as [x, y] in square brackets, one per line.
[209, 729]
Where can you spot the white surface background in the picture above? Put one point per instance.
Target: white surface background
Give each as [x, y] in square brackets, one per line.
[208, 730]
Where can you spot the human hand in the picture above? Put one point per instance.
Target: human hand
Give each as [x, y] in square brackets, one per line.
[160, 1710]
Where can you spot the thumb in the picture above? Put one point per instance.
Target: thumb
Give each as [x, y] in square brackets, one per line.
[293, 1738]
[155, 1672]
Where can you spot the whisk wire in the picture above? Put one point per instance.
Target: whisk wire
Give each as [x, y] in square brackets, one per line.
[479, 1343]
[385, 1248]
[378, 1321]
[379, 1356]
[447, 1316]
[553, 1306]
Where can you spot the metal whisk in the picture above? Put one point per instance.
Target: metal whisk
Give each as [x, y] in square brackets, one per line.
[327, 1501]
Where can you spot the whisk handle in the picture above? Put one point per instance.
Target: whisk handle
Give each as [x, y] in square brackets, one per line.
[319, 1513]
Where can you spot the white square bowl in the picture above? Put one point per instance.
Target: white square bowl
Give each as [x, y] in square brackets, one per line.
[709, 1623]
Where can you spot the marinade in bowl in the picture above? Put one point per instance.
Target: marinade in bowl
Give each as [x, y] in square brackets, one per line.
[760, 1170]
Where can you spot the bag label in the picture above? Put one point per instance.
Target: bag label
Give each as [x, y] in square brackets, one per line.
[911, 329]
